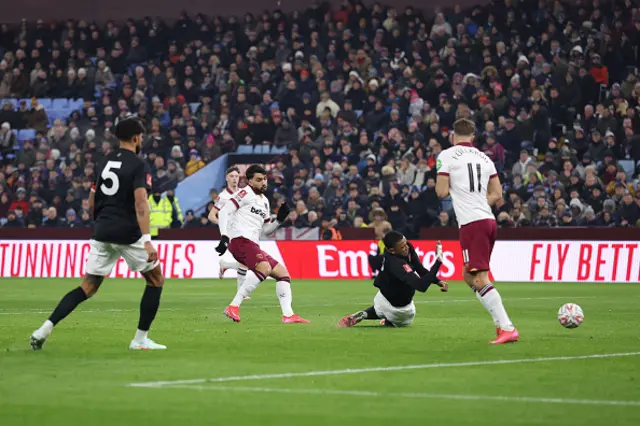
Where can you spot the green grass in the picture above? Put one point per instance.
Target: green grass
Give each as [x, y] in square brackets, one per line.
[81, 375]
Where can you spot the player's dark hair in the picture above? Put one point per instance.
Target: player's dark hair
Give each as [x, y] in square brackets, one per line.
[252, 170]
[128, 128]
[232, 169]
[392, 238]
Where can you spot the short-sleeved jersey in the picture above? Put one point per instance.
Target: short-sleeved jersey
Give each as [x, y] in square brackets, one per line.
[252, 213]
[222, 199]
[118, 176]
[469, 172]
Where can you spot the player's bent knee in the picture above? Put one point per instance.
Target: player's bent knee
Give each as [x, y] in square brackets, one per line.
[91, 284]
[154, 277]
[263, 268]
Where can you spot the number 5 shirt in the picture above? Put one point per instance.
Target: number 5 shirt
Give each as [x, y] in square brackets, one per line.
[469, 172]
[118, 175]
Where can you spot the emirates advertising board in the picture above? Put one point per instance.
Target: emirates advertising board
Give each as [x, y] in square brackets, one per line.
[512, 261]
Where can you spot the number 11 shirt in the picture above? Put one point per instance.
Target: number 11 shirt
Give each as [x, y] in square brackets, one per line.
[469, 171]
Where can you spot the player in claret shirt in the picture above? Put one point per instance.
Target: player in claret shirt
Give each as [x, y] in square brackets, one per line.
[242, 220]
[401, 274]
[472, 180]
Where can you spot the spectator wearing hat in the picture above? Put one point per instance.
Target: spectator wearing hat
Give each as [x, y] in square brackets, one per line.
[194, 164]
[13, 221]
[20, 201]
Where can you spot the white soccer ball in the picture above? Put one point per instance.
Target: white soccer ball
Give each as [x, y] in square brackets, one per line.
[570, 315]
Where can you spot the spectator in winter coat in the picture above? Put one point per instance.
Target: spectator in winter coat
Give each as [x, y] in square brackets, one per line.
[520, 168]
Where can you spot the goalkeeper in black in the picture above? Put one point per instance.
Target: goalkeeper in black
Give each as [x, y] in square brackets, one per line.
[400, 276]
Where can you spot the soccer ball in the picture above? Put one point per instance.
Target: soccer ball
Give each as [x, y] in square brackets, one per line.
[570, 315]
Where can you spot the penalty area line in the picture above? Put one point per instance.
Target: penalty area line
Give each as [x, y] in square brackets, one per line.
[360, 393]
[374, 369]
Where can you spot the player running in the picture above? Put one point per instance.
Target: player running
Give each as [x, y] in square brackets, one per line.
[471, 178]
[120, 210]
[401, 274]
[227, 261]
[241, 223]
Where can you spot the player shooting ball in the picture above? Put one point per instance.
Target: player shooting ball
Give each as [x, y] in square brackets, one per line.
[400, 276]
[242, 221]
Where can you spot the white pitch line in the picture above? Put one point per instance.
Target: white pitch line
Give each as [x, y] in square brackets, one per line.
[315, 305]
[525, 399]
[374, 369]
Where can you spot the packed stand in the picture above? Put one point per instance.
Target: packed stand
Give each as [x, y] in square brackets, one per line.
[362, 100]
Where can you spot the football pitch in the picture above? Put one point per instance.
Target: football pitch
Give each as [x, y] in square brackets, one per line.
[261, 372]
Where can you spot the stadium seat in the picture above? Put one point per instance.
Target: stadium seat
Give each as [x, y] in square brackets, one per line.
[262, 149]
[194, 107]
[26, 134]
[281, 150]
[45, 102]
[60, 104]
[244, 149]
[13, 101]
[628, 167]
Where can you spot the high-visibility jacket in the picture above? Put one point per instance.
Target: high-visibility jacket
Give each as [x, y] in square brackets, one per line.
[160, 214]
[176, 214]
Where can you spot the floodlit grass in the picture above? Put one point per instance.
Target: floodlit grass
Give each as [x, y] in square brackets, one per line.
[85, 372]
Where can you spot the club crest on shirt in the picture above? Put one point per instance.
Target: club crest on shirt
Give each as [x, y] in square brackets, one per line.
[407, 268]
[438, 164]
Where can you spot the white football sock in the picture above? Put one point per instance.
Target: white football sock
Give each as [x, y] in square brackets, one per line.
[229, 263]
[251, 282]
[141, 336]
[242, 276]
[283, 291]
[44, 331]
[491, 300]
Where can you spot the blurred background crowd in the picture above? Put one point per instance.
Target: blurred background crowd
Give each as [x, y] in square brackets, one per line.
[358, 100]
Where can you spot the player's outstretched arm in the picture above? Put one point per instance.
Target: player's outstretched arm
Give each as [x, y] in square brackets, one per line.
[494, 190]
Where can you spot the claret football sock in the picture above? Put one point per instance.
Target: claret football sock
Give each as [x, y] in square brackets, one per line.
[283, 290]
[149, 307]
[68, 303]
[491, 300]
[251, 282]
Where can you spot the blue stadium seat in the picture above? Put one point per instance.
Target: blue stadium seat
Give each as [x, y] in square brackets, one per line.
[262, 149]
[281, 150]
[194, 107]
[628, 167]
[13, 101]
[26, 134]
[60, 104]
[45, 102]
[76, 104]
[244, 149]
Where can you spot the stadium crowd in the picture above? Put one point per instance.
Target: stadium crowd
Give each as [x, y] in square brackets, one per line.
[363, 98]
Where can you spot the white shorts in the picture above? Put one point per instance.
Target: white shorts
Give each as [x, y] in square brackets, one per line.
[400, 317]
[104, 256]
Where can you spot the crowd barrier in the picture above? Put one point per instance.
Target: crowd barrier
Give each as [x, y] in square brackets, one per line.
[512, 261]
